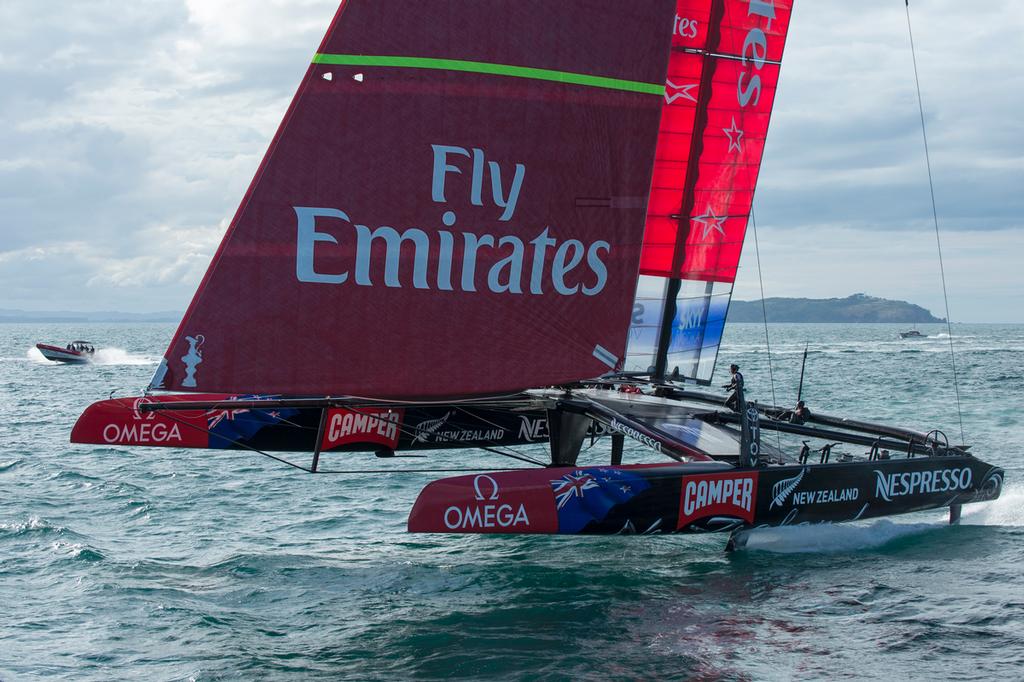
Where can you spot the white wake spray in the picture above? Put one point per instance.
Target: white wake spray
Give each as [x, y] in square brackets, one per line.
[1008, 510]
[103, 356]
[119, 356]
[34, 355]
[834, 537]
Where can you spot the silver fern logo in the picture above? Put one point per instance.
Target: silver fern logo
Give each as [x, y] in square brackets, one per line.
[784, 488]
[428, 428]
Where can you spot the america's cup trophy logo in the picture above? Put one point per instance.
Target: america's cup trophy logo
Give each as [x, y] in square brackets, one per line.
[192, 359]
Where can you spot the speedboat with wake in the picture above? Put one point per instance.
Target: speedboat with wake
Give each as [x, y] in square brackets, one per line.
[76, 352]
[912, 334]
[464, 237]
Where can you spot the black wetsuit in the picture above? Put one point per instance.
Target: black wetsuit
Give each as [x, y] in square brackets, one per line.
[736, 385]
[799, 416]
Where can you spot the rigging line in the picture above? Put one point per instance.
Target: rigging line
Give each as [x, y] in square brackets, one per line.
[764, 316]
[172, 416]
[513, 455]
[415, 433]
[935, 218]
[507, 453]
[482, 400]
[336, 471]
[415, 471]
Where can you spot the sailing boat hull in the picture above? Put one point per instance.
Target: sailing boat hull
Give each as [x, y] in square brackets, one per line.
[697, 497]
[120, 421]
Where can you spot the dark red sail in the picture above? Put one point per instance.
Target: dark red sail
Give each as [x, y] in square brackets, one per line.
[454, 204]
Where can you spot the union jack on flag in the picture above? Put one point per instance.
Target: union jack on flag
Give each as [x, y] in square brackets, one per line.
[215, 417]
[572, 485]
[229, 425]
[585, 497]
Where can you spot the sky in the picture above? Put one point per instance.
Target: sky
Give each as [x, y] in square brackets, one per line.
[129, 132]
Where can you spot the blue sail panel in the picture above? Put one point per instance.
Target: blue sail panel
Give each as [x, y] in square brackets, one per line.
[648, 307]
[696, 330]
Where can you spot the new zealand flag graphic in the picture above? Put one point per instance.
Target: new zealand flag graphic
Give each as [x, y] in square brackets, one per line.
[241, 425]
[589, 494]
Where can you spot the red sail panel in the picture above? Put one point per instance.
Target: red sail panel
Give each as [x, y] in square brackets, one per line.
[723, 190]
[453, 205]
[718, 102]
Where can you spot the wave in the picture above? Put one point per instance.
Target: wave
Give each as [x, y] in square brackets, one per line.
[7, 466]
[33, 525]
[823, 538]
[881, 348]
[76, 551]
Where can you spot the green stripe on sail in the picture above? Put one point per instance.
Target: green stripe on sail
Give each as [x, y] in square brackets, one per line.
[493, 69]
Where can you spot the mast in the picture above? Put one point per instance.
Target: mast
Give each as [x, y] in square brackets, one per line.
[668, 313]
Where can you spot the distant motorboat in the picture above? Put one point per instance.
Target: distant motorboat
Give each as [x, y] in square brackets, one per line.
[76, 352]
[912, 334]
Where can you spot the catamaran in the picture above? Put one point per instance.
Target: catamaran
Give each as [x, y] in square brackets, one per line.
[479, 234]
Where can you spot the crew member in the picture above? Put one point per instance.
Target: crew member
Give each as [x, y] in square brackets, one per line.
[736, 386]
[801, 414]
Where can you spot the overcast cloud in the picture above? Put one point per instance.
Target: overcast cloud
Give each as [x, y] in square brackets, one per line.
[129, 131]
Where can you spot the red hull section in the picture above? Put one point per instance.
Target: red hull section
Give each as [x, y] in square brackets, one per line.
[119, 421]
[443, 198]
[569, 500]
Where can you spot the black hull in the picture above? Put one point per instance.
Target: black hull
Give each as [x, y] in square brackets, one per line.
[835, 493]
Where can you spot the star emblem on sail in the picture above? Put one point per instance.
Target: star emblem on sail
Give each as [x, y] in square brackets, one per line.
[681, 91]
[735, 136]
[710, 222]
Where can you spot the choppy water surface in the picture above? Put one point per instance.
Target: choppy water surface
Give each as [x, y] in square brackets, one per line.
[176, 564]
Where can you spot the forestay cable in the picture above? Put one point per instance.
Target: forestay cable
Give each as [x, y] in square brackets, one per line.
[935, 218]
[764, 316]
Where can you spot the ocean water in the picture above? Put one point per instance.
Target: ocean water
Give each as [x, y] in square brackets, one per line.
[157, 564]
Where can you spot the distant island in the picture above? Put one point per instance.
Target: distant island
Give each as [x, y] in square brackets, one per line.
[856, 308]
[79, 317]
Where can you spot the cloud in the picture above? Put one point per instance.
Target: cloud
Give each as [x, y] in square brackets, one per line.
[845, 144]
[154, 265]
[983, 268]
[129, 132]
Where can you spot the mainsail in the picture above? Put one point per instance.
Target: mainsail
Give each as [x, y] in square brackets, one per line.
[722, 75]
[453, 205]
